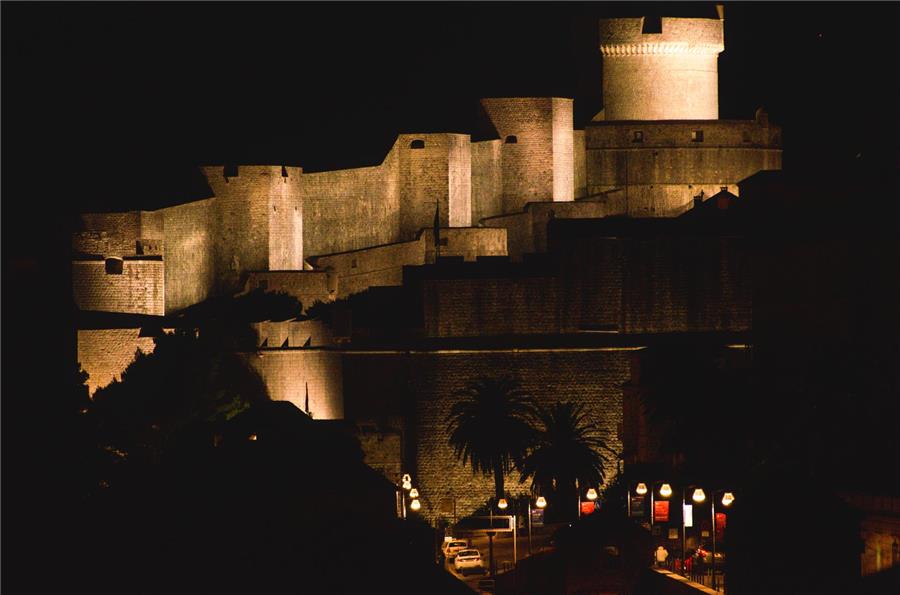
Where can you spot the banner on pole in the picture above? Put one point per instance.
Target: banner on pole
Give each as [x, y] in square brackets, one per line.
[720, 525]
[537, 517]
[637, 506]
[688, 515]
[661, 511]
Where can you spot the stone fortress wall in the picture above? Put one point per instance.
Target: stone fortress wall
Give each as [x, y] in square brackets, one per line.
[321, 236]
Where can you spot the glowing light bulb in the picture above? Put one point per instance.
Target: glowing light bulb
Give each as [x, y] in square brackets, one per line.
[502, 504]
[407, 485]
[414, 493]
[727, 499]
[641, 489]
[541, 502]
[665, 490]
[415, 505]
[406, 478]
[592, 494]
[252, 437]
[699, 496]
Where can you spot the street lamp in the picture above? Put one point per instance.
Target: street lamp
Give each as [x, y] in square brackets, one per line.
[502, 504]
[665, 490]
[698, 496]
[415, 504]
[414, 493]
[727, 500]
[641, 489]
[540, 503]
[592, 494]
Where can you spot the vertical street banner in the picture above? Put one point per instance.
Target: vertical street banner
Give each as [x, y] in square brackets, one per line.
[537, 517]
[588, 507]
[688, 515]
[720, 525]
[661, 511]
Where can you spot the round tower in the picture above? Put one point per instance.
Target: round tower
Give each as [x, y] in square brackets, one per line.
[661, 68]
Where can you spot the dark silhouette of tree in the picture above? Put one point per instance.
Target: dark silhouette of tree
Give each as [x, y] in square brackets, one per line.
[491, 428]
[567, 448]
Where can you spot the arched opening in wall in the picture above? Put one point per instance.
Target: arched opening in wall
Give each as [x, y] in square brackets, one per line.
[417, 144]
[114, 266]
[231, 171]
[512, 139]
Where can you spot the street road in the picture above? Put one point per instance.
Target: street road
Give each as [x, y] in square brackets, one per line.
[503, 552]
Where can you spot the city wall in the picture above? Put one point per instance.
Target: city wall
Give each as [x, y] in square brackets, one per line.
[664, 165]
[536, 155]
[188, 254]
[422, 386]
[288, 373]
[105, 353]
[308, 287]
[628, 285]
[487, 179]
[359, 270]
[131, 286]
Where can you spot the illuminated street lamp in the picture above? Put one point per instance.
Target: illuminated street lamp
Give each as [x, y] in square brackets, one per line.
[592, 494]
[641, 489]
[413, 493]
[727, 499]
[699, 495]
[665, 490]
[502, 504]
[415, 504]
[541, 502]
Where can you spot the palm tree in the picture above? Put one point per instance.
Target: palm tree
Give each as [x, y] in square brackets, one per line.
[567, 449]
[490, 429]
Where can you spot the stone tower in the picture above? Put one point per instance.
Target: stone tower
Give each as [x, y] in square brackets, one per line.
[661, 68]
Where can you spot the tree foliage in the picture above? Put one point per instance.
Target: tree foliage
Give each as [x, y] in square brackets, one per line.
[567, 449]
[490, 429]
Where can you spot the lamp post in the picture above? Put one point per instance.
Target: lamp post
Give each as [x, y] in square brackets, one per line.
[540, 503]
[727, 499]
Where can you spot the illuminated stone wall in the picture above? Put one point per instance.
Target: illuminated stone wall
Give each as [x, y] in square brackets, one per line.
[580, 174]
[105, 353]
[538, 166]
[665, 169]
[288, 372]
[351, 209]
[423, 386]
[439, 171]
[188, 254]
[251, 232]
[308, 287]
[487, 180]
[358, 270]
[138, 289]
[527, 230]
[672, 75]
[292, 333]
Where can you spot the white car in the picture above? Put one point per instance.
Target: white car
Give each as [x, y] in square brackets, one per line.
[467, 561]
[452, 547]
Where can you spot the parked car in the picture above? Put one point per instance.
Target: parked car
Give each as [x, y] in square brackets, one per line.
[468, 561]
[450, 548]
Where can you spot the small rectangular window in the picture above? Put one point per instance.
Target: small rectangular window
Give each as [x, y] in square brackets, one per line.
[697, 136]
[637, 136]
[114, 266]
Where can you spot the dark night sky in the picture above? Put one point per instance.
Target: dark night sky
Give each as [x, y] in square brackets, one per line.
[118, 101]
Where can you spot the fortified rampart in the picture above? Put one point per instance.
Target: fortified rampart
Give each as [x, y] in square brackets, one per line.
[662, 166]
[291, 374]
[105, 353]
[258, 215]
[663, 70]
[422, 387]
[537, 158]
